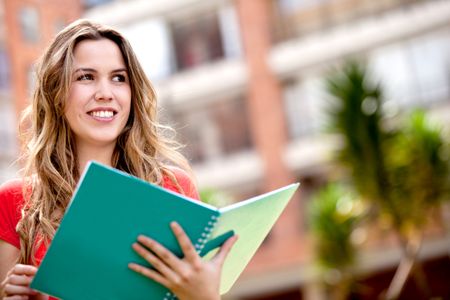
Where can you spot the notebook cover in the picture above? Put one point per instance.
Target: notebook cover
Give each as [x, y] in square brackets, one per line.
[89, 255]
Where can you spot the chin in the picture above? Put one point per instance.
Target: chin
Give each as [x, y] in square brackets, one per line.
[104, 140]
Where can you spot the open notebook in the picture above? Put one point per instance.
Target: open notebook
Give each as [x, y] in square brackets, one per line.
[89, 255]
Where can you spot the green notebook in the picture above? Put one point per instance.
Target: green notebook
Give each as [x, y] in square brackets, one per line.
[89, 255]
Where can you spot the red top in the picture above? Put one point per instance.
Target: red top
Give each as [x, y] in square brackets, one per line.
[11, 202]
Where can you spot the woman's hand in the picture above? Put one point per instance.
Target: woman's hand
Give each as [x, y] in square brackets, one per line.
[17, 284]
[190, 278]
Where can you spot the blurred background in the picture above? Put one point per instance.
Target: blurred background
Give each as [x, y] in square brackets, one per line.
[349, 97]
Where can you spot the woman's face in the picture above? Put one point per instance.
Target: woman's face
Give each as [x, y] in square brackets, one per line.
[99, 100]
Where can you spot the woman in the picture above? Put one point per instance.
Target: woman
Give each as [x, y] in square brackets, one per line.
[93, 102]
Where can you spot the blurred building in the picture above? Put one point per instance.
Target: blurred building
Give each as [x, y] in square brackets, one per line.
[8, 150]
[26, 27]
[242, 82]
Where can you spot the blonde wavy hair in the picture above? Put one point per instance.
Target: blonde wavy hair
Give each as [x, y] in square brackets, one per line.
[51, 164]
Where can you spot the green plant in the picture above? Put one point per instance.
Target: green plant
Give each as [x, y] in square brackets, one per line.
[334, 214]
[418, 169]
[402, 171]
[215, 197]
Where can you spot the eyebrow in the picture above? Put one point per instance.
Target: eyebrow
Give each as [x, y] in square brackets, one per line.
[95, 71]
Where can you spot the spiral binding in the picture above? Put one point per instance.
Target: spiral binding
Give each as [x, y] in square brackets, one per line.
[170, 296]
[201, 241]
[199, 245]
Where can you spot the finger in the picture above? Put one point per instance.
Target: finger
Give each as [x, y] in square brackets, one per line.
[222, 254]
[185, 243]
[11, 289]
[16, 297]
[20, 279]
[149, 274]
[166, 256]
[20, 269]
[159, 265]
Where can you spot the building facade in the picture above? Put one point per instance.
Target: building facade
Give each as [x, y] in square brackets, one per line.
[8, 146]
[26, 28]
[242, 82]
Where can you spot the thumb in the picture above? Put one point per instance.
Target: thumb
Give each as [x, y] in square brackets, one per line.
[222, 254]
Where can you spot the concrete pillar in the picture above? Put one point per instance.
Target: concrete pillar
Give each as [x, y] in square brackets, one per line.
[264, 94]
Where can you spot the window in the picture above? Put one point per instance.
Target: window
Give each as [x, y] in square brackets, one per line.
[4, 70]
[231, 119]
[392, 67]
[431, 62]
[155, 50]
[289, 6]
[93, 3]
[197, 41]
[168, 47]
[215, 130]
[29, 24]
[415, 72]
[303, 103]
[229, 28]
[7, 131]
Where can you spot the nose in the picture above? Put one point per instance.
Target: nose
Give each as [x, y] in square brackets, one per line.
[103, 92]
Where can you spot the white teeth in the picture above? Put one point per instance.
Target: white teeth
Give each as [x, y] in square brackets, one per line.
[102, 114]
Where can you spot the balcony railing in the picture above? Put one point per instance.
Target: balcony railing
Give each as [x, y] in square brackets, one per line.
[295, 18]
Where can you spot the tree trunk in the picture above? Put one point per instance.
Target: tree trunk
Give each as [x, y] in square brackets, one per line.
[408, 265]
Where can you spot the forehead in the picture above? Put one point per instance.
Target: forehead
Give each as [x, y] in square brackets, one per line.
[98, 53]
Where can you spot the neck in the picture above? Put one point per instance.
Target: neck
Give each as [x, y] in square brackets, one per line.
[101, 154]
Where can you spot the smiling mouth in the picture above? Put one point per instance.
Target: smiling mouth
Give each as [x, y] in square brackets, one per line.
[102, 113]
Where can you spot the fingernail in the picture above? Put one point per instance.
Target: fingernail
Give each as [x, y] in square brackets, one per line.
[144, 239]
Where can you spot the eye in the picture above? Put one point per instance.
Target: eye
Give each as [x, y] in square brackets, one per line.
[119, 78]
[83, 77]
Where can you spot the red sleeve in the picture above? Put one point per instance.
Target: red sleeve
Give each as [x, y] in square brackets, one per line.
[184, 181]
[11, 201]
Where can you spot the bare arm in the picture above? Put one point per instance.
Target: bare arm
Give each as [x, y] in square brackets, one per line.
[8, 258]
[15, 278]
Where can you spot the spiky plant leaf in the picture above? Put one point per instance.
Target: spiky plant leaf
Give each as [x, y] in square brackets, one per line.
[333, 215]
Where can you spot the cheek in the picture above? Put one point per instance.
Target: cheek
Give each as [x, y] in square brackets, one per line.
[126, 100]
[81, 92]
